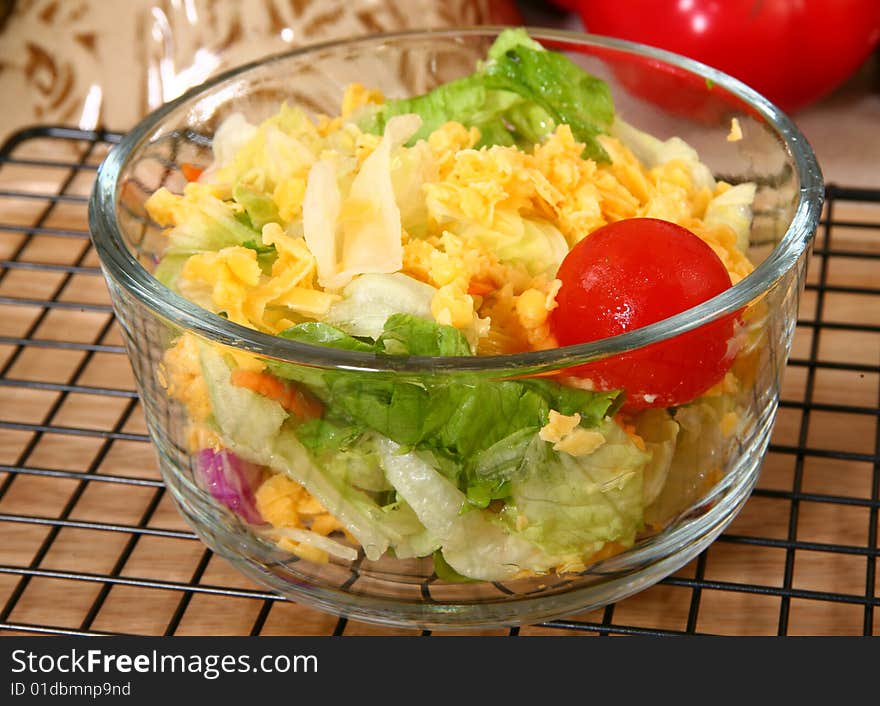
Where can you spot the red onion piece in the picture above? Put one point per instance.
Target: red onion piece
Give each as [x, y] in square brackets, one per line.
[231, 481]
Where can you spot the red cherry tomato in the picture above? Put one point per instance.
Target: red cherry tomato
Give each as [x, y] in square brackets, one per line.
[636, 272]
[792, 52]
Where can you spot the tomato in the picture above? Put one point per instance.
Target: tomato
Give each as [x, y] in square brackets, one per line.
[791, 52]
[636, 272]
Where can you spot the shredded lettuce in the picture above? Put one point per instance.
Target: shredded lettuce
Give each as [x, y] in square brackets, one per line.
[260, 207]
[368, 300]
[734, 208]
[532, 242]
[574, 505]
[474, 544]
[653, 152]
[456, 416]
[359, 232]
[202, 222]
[356, 461]
[252, 420]
[312, 539]
[700, 450]
[231, 136]
[410, 169]
[355, 470]
[169, 269]
[439, 448]
[470, 424]
[659, 431]
[518, 95]
[280, 147]
[356, 510]
[562, 510]
[252, 427]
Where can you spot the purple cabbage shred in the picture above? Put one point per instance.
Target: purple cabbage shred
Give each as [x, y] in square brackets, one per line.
[231, 481]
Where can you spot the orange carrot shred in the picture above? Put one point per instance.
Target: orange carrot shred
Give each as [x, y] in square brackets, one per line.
[190, 171]
[303, 404]
[480, 289]
[294, 399]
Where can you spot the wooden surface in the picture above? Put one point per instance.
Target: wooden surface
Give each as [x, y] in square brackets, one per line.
[813, 510]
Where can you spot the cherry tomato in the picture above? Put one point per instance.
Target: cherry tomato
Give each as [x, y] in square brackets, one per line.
[636, 272]
[792, 52]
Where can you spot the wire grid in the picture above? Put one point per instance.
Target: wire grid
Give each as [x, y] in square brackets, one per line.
[91, 544]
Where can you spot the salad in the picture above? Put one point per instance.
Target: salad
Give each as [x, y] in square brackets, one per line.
[507, 211]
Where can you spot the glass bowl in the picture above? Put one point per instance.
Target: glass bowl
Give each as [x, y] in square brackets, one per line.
[715, 463]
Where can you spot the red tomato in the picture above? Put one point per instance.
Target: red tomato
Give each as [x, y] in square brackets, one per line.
[791, 51]
[636, 272]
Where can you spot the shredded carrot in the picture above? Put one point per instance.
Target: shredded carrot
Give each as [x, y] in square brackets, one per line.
[630, 429]
[293, 398]
[529, 376]
[303, 404]
[190, 171]
[479, 288]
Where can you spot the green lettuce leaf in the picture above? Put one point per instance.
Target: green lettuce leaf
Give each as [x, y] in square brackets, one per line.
[345, 476]
[572, 506]
[474, 544]
[369, 299]
[375, 528]
[317, 333]
[508, 457]
[260, 207]
[266, 254]
[464, 98]
[457, 418]
[511, 39]
[534, 242]
[319, 435]
[517, 96]
[404, 334]
[209, 225]
[552, 82]
[169, 269]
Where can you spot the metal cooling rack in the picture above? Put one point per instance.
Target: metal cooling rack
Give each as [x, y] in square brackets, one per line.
[91, 544]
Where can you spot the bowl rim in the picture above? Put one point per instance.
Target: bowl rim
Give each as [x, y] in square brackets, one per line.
[126, 271]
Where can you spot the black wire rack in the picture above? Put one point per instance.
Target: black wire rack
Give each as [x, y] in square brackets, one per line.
[91, 544]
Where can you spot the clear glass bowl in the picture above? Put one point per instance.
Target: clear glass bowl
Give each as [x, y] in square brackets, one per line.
[710, 480]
